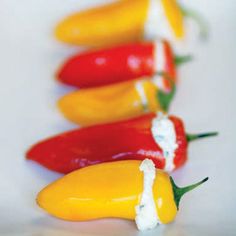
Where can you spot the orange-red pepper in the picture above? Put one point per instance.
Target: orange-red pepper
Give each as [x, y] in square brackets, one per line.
[118, 64]
[125, 140]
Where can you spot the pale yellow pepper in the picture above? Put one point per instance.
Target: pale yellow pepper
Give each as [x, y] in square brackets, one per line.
[116, 23]
[109, 190]
[110, 103]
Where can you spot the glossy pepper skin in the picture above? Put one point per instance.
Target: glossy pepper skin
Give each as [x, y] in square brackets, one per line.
[109, 190]
[117, 23]
[113, 103]
[118, 64]
[125, 140]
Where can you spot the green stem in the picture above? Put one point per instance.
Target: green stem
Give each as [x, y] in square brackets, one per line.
[179, 60]
[192, 137]
[164, 97]
[201, 22]
[179, 192]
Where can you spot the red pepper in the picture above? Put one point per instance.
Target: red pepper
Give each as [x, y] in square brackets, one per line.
[121, 63]
[125, 140]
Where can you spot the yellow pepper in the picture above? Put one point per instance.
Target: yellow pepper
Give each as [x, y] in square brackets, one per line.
[113, 102]
[112, 189]
[175, 17]
[121, 22]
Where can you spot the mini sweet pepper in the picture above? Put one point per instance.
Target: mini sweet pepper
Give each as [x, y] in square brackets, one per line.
[116, 189]
[120, 63]
[116, 102]
[140, 138]
[123, 21]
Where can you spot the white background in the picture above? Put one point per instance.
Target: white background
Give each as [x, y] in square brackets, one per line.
[205, 100]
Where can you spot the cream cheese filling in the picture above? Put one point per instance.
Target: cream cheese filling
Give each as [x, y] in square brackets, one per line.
[159, 56]
[157, 24]
[146, 213]
[142, 94]
[159, 64]
[164, 134]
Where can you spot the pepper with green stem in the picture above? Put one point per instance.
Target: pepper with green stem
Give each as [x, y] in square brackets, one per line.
[131, 139]
[115, 189]
[121, 63]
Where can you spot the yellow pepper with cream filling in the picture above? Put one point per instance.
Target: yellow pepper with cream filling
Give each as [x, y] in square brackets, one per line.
[113, 102]
[121, 22]
[112, 189]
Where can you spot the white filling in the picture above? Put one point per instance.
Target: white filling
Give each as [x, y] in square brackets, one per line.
[159, 64]
[157, 24]
[158, 80]
[164, 134]
[140, 89]
[146, 213]
[159, 56]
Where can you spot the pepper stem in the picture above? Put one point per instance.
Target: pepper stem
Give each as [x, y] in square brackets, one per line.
[179, 60]
[165, 97]
[192, 137]
[179, 192]
[200, 21]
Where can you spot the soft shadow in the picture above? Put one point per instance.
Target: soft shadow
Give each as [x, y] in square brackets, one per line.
[105, 227]
[41, 172]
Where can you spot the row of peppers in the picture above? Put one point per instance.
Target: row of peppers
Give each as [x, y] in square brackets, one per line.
[121, 89]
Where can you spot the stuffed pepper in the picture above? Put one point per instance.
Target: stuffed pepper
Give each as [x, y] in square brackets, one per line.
[116, 102]
[160, 138]
[123, 21]
[120, 63]
[132, 190]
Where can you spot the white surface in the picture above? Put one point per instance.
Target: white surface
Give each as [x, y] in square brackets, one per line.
[205, 99]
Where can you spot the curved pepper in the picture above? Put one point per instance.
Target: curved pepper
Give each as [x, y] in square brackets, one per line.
[121, 22]
[110, 190]
[116, 102]
[132, 139]
[118, 64]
